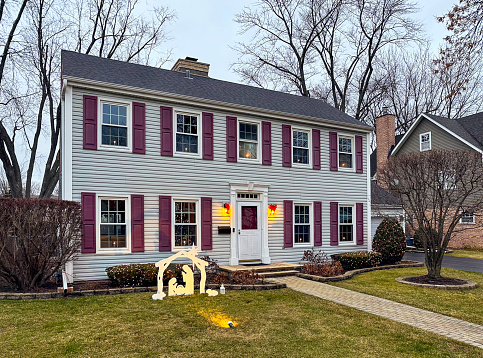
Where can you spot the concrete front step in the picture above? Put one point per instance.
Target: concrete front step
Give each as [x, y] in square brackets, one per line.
[279, 273]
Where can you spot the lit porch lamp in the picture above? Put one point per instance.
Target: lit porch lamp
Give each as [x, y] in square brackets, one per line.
[273, 208]
[227, 208]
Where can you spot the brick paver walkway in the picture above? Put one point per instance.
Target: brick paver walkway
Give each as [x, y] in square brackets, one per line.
[450, 327]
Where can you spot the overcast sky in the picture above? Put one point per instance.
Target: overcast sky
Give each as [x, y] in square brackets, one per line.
[205, 29]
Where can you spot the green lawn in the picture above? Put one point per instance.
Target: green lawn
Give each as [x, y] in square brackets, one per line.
[464, 304]
[278, 323]
[472, 254]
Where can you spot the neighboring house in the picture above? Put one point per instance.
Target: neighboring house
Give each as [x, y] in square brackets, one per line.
[163, 160]
[384, 205]
[431, 132]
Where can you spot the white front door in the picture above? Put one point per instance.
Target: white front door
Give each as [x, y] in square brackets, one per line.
[249, 231]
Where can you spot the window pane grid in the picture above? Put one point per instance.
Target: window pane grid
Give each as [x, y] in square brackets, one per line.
[114, 125]
[113, 223]
[345, 152]
[300, 144]
[346, 227]
[248, 141]
[186, 133]
[301, 224]
[185, 230]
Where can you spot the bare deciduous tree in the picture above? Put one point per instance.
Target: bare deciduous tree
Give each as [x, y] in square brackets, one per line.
[30, 109]
[437, 187]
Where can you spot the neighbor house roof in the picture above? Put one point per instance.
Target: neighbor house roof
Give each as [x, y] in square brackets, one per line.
[76, 66]
[467, 129]
[380, 196]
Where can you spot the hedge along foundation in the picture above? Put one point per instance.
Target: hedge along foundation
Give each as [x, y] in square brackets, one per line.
[175, 289]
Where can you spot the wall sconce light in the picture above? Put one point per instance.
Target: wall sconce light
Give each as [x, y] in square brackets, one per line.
[227, 208]
[272, 208]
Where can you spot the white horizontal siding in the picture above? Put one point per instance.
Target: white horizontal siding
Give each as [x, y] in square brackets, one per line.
[122, 173]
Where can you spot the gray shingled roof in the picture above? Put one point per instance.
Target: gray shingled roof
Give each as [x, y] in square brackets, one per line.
[380, 196]
[469, 128]
[122, 73]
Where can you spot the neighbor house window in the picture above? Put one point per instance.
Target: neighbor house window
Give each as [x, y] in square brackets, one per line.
[302, 224]
[300, 147]
[248, 140]
[187, 129]
[114, 125]
[425, 141]
[345, 152]
[113, 223]
[468, 217]
[346, 224]
[185, 224]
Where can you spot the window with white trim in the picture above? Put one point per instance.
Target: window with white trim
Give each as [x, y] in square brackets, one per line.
[187, 133]
[185, 223]
[346, 224]
[115, 126]
[300, 146]
[346, 152]
[302, 224]
[425, 141]
[113, 227]
[248, 140]
[468, 217]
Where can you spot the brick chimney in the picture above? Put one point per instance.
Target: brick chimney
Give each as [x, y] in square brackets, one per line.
[191, 64]
[385, 137]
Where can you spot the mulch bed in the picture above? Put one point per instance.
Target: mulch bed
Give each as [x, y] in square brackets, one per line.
[428, 280]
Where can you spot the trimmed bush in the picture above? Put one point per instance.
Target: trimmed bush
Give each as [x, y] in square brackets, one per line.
[358, 260]
[37, 238]
[390, 241]
[140, 274]
[320, 265]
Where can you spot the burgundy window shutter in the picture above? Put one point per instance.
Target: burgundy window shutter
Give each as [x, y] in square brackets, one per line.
[90, 122]
[207, 135]
[334, 223]
[206, 224]
[167, 131]
[88, 203]
[359, 223]
[164, 223]
[316, 148]
[359, 154]
[286, 145]
[317, 223]
[267, 143]
[334, 165]
[139, 128]
[137, 223]
[287, 223]
[231, 139]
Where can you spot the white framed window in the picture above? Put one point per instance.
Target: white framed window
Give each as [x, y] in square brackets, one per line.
[186, 223]
[300, 147]
[425, 141]
[346, 224]
[302, 224]
[346, 152]
[114, 125]
[113, 224]
[248, 141]
[187, 133]
[468, 217]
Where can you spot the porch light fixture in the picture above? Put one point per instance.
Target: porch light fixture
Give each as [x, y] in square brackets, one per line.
[227, 208]
[272, 208]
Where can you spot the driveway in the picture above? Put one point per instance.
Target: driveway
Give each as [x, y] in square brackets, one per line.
[459, 263]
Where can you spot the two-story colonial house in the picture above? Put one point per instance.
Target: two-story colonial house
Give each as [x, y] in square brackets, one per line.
[163, 160]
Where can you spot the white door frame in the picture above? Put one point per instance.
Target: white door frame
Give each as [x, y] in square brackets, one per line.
[257, 232]
[249, 187]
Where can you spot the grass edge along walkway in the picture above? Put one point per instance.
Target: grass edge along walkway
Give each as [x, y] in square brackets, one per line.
[449, 327]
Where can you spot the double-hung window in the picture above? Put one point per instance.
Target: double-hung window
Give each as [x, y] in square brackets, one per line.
[302, 224]
[187, 131]
[300, 146]
[185, 223]
[425, 141]
[248, 141]
[346, 224]
[115, 126]
[346, 152]
[113, 228]
[468, 217]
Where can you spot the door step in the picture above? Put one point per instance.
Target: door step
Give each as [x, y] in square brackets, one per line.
[271, 270]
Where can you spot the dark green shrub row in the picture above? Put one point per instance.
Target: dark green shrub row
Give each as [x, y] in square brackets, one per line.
[357, 260]
[139, 274]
